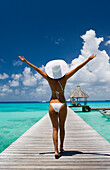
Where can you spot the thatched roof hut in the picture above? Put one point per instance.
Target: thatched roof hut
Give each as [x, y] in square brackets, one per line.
[78, 93]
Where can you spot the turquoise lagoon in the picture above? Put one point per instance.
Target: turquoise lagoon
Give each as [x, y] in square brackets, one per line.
[17, 118]
[95, 119]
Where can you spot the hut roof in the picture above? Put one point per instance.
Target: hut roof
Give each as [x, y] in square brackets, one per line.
[78, 93]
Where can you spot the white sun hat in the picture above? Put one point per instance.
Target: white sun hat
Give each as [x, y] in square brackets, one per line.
[56, 69]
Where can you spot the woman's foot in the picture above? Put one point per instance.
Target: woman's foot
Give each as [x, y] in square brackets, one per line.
[57, 155]
[61, 150]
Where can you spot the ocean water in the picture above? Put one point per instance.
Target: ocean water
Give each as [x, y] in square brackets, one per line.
[17, 118]
[95, 119]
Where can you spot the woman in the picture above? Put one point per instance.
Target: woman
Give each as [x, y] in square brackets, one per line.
[57, 76]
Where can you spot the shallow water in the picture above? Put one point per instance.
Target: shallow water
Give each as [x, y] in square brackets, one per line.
[17, 118]
[95, 119]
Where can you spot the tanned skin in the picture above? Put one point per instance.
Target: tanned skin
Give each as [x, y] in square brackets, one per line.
[54, 85]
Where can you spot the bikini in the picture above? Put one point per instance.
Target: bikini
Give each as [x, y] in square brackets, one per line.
[57, 106]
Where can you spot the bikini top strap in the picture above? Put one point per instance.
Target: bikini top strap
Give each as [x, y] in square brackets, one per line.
[60, 85]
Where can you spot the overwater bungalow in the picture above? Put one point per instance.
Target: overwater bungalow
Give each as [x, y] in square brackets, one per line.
[79, 94]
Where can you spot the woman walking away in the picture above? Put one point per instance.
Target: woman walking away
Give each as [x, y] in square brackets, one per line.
[57, 75]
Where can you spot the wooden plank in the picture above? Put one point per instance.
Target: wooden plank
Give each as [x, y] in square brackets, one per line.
[85, 149]
[100, 108]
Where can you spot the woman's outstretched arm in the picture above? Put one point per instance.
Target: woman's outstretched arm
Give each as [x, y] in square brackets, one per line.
[69, 74]
[34, 67]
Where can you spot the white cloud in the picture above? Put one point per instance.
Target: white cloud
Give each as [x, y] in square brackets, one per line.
[42, 92]
[28, 78]
[2, 94]
[91, 43]
[38, 76]
[4, 76]
[94, 77]
[107, 42]
[58, 41]
[15, 81]
[17, 91]
[43, 82]
[22, 92]
[16, 76]
[5, 89]
[17, 63]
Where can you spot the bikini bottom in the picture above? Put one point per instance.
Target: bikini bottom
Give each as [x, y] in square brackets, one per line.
[57, 106]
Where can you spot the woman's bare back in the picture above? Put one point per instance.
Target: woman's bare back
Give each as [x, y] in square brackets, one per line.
[57, 87]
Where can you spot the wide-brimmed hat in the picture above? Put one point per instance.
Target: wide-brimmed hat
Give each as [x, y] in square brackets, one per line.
[56, 69]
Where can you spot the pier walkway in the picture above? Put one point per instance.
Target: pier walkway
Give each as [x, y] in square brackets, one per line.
[101, 108]
[85, 149]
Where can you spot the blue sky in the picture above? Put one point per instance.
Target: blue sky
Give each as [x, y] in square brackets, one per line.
[42, 30]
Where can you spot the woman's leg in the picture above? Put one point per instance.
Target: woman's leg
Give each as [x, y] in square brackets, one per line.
[62, 118]
[54, 120]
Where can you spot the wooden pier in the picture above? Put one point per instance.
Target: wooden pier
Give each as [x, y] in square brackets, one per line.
[85, 149]
[85, 108]
[101, 108]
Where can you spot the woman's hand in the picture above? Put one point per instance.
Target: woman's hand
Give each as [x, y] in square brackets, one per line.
[34, 67]
[22, 58]
[91, 57]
